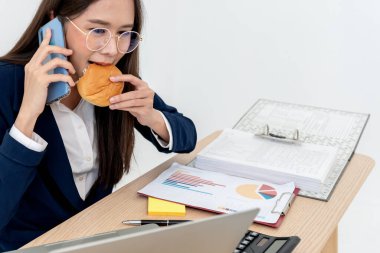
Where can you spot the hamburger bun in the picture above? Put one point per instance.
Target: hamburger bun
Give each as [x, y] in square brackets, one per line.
[96, 87]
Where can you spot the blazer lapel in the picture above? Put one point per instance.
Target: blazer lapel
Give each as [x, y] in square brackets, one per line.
[57, 162]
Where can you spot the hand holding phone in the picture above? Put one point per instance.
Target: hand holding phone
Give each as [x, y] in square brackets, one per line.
[56, 90]
[37, 80]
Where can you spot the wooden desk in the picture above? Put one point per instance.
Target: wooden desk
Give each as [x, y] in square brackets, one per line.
[315, 222]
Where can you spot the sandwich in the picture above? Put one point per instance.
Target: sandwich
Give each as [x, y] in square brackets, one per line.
[96, 87]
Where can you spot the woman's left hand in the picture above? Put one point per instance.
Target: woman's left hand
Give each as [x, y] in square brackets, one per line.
[138, 102]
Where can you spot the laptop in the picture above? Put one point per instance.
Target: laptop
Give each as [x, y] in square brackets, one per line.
[219, 233]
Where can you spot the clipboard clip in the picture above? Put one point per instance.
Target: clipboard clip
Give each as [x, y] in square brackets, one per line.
[289, 202]
[295, 138]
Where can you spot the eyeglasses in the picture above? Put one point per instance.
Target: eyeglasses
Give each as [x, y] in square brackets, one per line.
[98, 38]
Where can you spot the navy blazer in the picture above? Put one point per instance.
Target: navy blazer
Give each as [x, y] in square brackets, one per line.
[37, 189]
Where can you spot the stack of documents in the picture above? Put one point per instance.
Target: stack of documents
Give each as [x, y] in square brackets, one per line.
[321, 127]
[245, 155]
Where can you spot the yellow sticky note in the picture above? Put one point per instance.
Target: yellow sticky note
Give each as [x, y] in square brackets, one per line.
[163, 207]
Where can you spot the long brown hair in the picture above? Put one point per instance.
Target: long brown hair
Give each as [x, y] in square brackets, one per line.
[115, 134]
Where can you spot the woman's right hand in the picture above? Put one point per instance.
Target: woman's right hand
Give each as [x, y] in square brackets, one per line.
[37, 80]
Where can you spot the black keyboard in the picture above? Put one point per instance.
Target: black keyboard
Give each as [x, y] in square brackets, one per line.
[254, 242]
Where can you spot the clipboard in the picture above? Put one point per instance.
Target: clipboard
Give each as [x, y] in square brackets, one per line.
[222, 193]
[322, 126]
[282, 212]
[267, 134]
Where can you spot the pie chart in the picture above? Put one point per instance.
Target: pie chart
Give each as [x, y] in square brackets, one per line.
[248, 190]
[267, 192]
[253, 191]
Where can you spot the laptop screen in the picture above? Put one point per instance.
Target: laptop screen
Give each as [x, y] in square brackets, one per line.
[219, 233]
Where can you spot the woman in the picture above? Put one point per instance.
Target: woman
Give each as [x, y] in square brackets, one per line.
[57, 160]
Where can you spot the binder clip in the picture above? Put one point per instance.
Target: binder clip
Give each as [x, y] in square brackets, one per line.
[295, 138]
[285, 209]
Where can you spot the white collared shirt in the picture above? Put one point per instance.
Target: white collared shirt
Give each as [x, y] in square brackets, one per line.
[77, 131]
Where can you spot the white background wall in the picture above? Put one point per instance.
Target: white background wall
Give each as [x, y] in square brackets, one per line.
[214, 59]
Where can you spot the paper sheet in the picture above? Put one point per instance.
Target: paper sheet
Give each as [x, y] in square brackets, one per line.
[219, 192]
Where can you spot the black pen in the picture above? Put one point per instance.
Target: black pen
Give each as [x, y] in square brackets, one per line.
[158, 222]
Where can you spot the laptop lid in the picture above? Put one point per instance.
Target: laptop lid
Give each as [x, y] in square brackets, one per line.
[220, 233]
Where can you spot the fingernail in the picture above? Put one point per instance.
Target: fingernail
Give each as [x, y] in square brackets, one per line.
[112, 107]
[112, 100]
[113, 79]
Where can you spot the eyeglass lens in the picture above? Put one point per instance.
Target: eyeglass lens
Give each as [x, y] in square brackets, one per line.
[98, 38]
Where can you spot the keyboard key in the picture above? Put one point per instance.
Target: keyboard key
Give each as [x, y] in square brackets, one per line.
[254, 234]
[245, 242]
[249, 238]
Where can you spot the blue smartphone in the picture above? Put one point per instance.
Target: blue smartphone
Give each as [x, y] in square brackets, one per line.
[56, 90]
